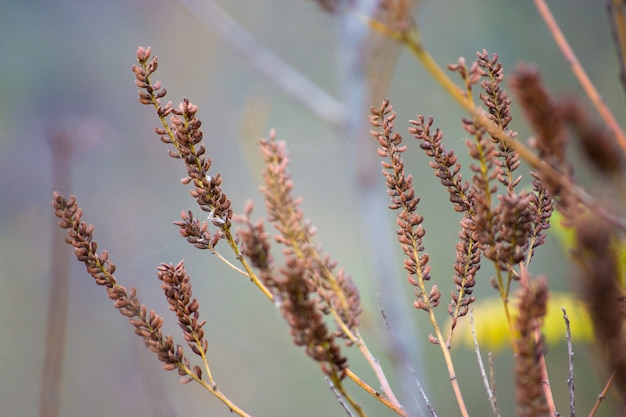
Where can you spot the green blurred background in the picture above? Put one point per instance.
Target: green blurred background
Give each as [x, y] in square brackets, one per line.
[66, 65]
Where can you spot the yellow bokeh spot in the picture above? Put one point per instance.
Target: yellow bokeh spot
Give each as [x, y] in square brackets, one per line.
[492, 329]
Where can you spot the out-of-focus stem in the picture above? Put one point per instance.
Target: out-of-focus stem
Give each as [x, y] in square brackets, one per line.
[278, 72]
[580, 73]
[615, 9]
[602, 395]
[58, 296]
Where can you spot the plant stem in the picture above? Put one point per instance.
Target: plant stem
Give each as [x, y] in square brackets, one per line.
[58, 298]
[580, 73]
[602, 395]
[250, 273]
[212, 388]
[395, 407]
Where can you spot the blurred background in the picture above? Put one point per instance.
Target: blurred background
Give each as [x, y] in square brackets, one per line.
[65, 70]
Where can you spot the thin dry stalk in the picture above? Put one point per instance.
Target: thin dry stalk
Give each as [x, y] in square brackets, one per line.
[490, 393]
[283, 76]
[339, 397]
[492, 379]
[580, 73]
[603, 395]
[570, 364]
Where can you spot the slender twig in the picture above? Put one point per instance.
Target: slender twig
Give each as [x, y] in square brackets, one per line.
[429, 405]
[374, 393]
[404, 360]
[545, 379]
[490, 395]
[265, 62]
[248, 269]
[232, 265]
[232, 407]
[339, 397]
[570, 363]
[602, 395]
[451, 372]
[580, 73]
[338, 385]
[380, 375]
[492, 380]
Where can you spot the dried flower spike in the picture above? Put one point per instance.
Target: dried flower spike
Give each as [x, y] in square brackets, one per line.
[544, 116]
[255, 246]
[337, 293]
[307, 325]
[528, 375]
[402, 194]
[184, 133]
[147, 324]
[177, 288]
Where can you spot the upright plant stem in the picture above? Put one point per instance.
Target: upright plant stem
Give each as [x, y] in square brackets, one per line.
[58, 295]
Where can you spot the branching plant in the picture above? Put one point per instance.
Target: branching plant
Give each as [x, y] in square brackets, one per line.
[502, 227]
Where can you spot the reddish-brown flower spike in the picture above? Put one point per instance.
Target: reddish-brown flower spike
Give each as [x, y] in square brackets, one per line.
[529, 379]
[147, 325]
[148, 93]
[196, 233]
[470, 76]
[498, 104]
[402, 195]
[255, 246]
[307, 325]
[184, 133]
[598, 146]
[545, 118]
[297, 234]
[177, 288]
[542, 206]
[494, 98]
[444, 163]
[466, 265]
[513, 226]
